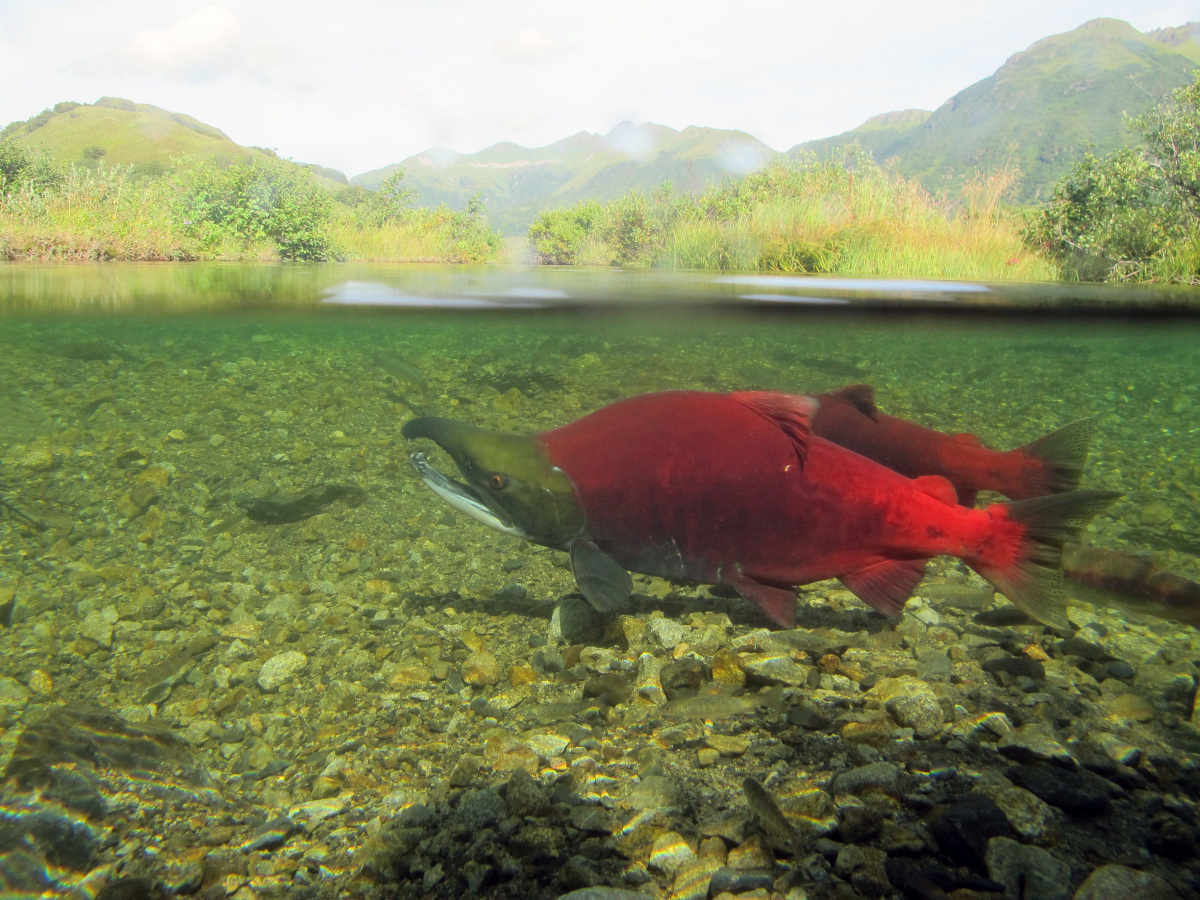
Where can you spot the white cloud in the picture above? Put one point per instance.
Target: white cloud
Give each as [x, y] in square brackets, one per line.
[526, 46]
[202, 42]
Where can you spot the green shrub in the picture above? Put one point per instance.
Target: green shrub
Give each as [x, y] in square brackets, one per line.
[260, 199]
[93, 152]
[23, 168]
[1134, 214]
[558, 236]
[391, 204]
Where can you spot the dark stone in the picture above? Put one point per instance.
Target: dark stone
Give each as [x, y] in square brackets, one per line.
[737, 881]
[579, 872]
[808, 717]
[885, 775]
[1076, 792]
[964, 828]
[1017, 667]
[416, 816]
[612, 688]
[1174, 839]
[479, 809]
[858, 823]
[682, 678]
[1076, 646]
[1092, 757]
[1119, 669]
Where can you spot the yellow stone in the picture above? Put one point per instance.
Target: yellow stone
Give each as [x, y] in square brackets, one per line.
[727, 668]
[1130, 706]
[155, 475]
[521, 673]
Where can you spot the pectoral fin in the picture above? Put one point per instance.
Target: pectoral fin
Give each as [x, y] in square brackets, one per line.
[602, 580]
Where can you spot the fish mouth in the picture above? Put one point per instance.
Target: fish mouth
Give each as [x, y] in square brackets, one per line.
[463, 497]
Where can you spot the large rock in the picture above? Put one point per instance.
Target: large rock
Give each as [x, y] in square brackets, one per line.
[1123, 883]
[281, 668]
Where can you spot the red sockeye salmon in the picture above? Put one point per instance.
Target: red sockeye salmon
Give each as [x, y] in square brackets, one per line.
[735, 489]
[1049, 465]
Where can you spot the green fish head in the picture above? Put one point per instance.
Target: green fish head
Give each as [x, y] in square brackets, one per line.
[510, 485]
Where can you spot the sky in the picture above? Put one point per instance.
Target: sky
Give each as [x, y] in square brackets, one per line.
[357, 85]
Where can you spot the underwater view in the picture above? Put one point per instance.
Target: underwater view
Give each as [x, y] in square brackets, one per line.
[285, 611]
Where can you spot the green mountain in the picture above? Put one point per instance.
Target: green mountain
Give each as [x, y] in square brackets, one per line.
[1042, 109]
[517, 183]
[122, 133]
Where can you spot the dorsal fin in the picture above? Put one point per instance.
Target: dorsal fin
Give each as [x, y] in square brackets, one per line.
[861, 397]
[938, 487]
[791, 412]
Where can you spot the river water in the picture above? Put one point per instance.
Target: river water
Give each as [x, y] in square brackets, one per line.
[384, 698]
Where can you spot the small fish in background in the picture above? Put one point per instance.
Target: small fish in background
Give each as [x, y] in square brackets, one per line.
[1130, 583]
[295, 507]
[771, 820]
[405, 373]
[736, 490]
[1050, 465]
[401, 369]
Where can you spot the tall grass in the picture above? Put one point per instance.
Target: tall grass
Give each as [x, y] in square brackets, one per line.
[262, 211]
[841, 216]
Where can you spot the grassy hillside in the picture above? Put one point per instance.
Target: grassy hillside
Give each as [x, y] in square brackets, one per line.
[516, 183]
[120, 132]
[1041, 110]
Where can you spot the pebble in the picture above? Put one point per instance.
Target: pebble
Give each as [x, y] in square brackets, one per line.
[574, 621]
[665, 634]
[964, 828]
[481, 669]
[1034, 742]
[311, 812]
[775, 668]
[884, 775]
[668, 852]
[281, 668]
[912, 704]
[1123, 883]
[1030, 873]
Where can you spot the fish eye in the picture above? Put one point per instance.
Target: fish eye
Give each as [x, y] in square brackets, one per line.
[498, 482]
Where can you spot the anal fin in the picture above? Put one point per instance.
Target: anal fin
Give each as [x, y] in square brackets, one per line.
[886, 585]
[776, 603]
[603, 581]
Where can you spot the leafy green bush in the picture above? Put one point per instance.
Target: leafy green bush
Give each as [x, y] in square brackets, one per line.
[261, 199]
[1134, 214]
[558, 236]
[23, 168]
[392, 203]
[470, 238]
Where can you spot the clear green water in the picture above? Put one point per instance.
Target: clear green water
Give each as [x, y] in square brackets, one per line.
[137, 403]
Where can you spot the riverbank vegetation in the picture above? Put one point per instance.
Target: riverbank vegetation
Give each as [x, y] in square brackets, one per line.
[1133, 215]
[255, 209]
[845, 215]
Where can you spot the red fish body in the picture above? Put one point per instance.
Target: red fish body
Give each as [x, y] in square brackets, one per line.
[735, 489]
[1052, 464]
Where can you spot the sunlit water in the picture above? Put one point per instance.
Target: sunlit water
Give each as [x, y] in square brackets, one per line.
[406, 647]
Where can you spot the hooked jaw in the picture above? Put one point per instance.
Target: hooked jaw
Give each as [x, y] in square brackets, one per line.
[462, 497]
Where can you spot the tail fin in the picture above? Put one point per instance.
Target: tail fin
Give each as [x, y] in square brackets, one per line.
[1032, 579]
[1062, 454]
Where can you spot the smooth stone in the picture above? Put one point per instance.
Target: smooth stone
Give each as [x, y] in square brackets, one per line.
[1035, 742]
[728, 879]
[1030, 873]
[775, 669]
[1124, 883]
[1030, 816]
[480, 669]
[574, 621]
[313, 811]
[1079, 792]
[964, 828]
[665, 634]
[280, 668]
[911, 704]
[1016, 666]
[883, 775]
[546, 745]
[668, 852]
[654, 792]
